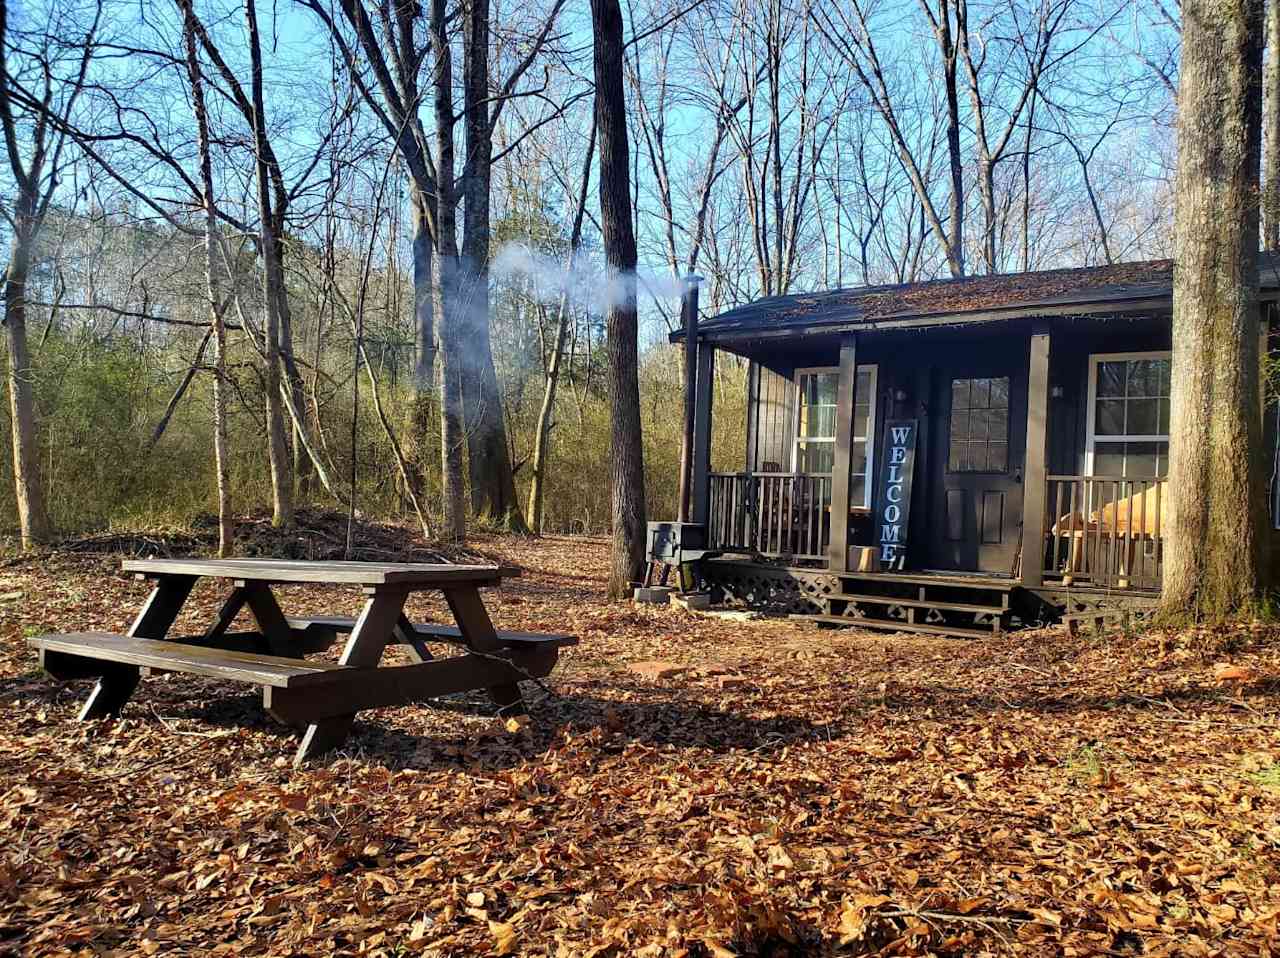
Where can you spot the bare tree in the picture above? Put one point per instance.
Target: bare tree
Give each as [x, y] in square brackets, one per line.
[217, 304]
[448, 280]
[542, 432]
[34, 123]
[1214, 550]
[850, 35]
[626, 453]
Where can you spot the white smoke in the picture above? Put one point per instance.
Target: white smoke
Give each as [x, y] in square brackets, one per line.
[582, 282]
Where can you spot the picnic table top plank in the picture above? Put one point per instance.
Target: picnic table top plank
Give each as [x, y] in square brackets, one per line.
[249, 667]
[412, 574]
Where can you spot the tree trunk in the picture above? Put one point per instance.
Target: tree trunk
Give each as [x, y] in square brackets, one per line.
[626, 453]
[277, 443]
[301, 463]
[542, 434]
[1214, 550]
[226, 531]
[424, 364]
[424, 359]
[493, 486]
[947, 46]
[1271, 132]
[447, 290]
[33, 520]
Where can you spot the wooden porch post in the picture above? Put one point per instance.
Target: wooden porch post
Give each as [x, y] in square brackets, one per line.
[689, 311]
[749, 463]
[1035, 472]
[838, 550]
[702, 425]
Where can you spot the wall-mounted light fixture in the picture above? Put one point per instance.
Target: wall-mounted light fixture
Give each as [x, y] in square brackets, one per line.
[1057, 392]
[899, 394]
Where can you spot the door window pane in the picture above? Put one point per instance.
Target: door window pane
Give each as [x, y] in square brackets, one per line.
[979, 425]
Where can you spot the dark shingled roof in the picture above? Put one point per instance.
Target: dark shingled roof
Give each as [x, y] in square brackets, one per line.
[1092, 289]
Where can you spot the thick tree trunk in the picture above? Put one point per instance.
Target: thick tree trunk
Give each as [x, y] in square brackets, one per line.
[493, 487]
[626, 453]
[33, 520]
[277, 443]
[1271, 132]
[452, 436]
[1214, 550]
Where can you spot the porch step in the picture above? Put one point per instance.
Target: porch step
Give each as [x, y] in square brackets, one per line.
[936, 580]
[897, 625]
[915, 603]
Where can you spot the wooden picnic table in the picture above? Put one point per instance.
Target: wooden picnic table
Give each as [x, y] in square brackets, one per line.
[324, 696]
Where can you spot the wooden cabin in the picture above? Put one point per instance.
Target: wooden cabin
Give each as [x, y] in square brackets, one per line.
[955, 456]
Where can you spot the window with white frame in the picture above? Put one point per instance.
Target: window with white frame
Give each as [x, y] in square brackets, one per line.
[815, 442]
[1128, 420]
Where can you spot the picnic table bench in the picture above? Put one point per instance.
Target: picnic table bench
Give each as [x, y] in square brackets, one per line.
[324, 696]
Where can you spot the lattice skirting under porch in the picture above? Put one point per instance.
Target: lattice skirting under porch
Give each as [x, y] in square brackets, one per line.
[768, 588]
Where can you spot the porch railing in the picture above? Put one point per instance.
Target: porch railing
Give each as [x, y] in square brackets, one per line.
[1106, 531]
[770, 513]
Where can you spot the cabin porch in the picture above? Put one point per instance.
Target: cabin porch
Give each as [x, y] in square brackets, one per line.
[1034, 485]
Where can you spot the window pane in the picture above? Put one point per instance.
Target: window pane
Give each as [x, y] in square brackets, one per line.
[980, 396]
[959, 394]
[863, 393]
[827, 384]
[1164, 418]
[978, 425]
[997, 457]
[1143, 418]
[858, 491]
[959, 460]
[1144, 377]
[825, 419]
[808, 390]
[1142, 459]
[959, 425]
[1108, 459]
[1000, 393]
[1111, 377]
[861, 417]
[858, 477]
[858, 459]
[1109, 420]
[998, 424]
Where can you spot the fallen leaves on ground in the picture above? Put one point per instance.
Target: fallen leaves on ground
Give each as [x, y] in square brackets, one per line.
[765, 789]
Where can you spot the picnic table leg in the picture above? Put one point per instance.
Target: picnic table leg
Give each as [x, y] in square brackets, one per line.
[271, 620]
[116, 686]
[369, 638]
[480, 636]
